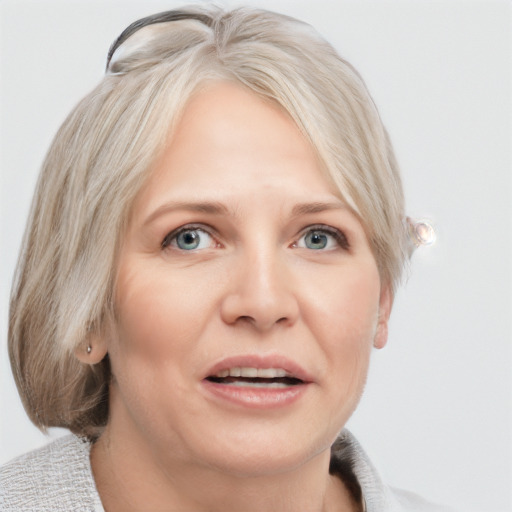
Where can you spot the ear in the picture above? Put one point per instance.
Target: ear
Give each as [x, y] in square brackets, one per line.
[93, 350]
[385, 305]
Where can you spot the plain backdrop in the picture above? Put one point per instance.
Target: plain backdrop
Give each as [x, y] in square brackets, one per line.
[436, 415]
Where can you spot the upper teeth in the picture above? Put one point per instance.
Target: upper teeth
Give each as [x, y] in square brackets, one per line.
[264, 373]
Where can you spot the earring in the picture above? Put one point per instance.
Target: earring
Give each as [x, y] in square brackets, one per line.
[89, 349]
[421, 232]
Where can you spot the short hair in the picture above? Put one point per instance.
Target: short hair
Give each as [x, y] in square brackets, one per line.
[105, 150]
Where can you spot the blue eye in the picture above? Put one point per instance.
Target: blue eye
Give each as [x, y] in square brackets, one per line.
[316, 240]
[189, 239]
[322, 239]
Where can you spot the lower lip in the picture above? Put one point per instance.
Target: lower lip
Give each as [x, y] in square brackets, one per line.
[256, 397]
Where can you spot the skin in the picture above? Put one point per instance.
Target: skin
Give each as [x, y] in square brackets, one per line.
[253, 286]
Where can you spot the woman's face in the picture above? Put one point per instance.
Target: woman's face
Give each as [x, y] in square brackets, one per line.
[247, 299]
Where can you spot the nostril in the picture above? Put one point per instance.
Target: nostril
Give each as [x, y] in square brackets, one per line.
[256, 307]
[247, 319]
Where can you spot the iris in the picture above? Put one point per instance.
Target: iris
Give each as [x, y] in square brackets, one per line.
[316, 240]
[188, 240]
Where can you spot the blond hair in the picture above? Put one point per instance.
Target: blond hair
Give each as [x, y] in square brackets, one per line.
[103, 154]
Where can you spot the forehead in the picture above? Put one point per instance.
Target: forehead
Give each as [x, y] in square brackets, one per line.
[230, 140]
[227, 116]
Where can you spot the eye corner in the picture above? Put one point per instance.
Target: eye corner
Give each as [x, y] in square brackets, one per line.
[164, 244]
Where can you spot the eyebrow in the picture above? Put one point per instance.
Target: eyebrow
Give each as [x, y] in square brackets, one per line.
[210, 207]
[316, 207]
[216, 208]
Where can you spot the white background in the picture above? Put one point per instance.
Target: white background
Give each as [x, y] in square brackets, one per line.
[436, 416]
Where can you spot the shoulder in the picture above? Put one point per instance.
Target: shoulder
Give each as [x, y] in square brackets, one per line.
[409, 501]
[377, 496]
[56, 477]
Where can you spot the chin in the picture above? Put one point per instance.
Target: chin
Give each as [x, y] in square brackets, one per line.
[263, 451]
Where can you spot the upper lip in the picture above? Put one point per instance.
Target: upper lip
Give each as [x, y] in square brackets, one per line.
[258, 361]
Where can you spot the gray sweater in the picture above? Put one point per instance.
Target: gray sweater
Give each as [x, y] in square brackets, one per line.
[58, 478]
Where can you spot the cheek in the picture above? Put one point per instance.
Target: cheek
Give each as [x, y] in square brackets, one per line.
[159, 316]
[345, 304]
[155, 341]
[343, 313]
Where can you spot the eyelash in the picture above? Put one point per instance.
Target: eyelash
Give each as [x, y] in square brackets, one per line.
[173, 235]
[336, 234]
[339, 237]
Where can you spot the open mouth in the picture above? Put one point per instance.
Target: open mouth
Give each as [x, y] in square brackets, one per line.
[255, 378]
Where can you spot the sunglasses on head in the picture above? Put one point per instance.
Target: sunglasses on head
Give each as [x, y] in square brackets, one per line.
[162, 17]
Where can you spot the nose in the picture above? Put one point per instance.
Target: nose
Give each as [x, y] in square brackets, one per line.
[260, 293]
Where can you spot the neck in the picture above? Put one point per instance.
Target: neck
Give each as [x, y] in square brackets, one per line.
[130, 477]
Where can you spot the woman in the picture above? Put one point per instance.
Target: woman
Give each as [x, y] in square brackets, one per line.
[213, 249]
